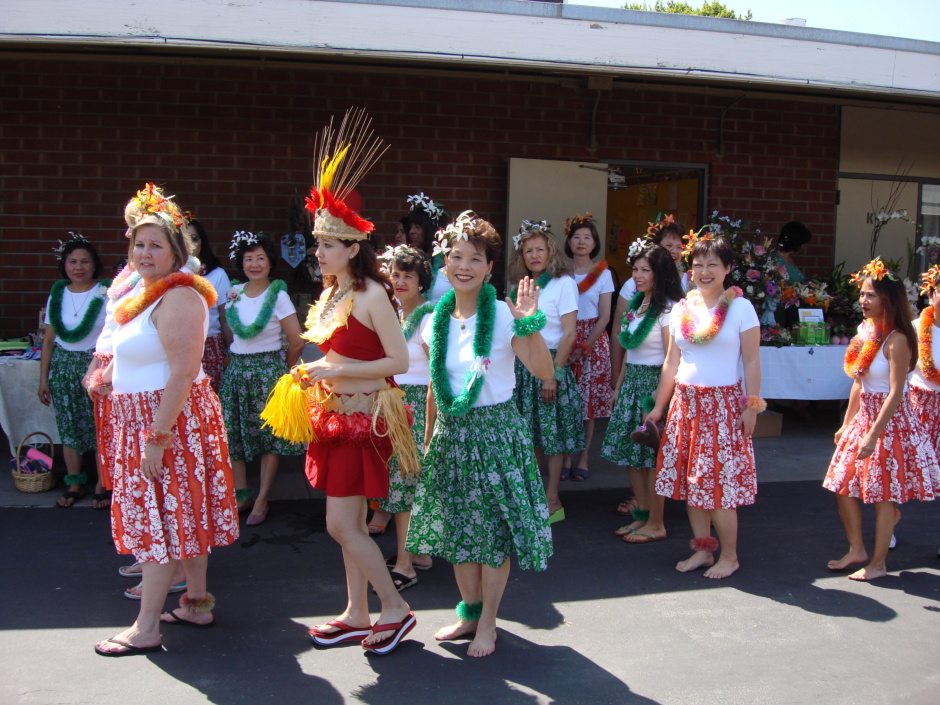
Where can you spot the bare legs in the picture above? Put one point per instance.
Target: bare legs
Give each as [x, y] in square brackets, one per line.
[73, 466]
[581, 460]
[405, 560]
[886, 516]
[146, 630]
[478, 583]
[850, 512]
[726, 525]
[346, 523]
[554, 464]
[269, 465]
[643, 481]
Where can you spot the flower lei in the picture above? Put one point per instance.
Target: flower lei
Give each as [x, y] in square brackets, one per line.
[85, 326]
[592, 276]
[687, 324]
[264, 315]
[329, 313]
[126, 280]
[541, 283]
[925, 346]
[482, 344]
[861, 352]
[133, 306]
[631, 341]
[411, 323]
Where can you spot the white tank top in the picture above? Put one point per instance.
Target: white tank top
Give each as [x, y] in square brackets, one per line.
[140, 361]
[878, 378]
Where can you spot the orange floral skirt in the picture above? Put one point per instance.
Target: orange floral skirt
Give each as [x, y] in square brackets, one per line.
[704, 459]
[213, 357]
[191, 507]
[903, 466]
[926, 406]
[103, 425]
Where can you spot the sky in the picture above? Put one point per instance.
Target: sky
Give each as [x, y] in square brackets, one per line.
[913, 19]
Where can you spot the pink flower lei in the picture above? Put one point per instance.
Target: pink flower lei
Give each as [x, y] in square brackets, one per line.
[700, 337]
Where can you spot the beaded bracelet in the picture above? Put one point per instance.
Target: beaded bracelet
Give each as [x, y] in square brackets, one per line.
[530, 324]
[153, 437]
[756, 403]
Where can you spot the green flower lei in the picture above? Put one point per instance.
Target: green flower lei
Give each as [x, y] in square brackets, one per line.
[414, 319]
[264, 315]
[87, 323]
[482, 344]
[541, 283]
[631, 341]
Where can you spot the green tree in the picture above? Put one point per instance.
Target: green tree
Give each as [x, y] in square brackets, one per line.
[708, 9]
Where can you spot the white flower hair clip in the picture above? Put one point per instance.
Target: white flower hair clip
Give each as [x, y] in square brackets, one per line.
[422, 202]
[529, 227]
[241, 238]
[457, 230]
[73, 237]
[637, 246]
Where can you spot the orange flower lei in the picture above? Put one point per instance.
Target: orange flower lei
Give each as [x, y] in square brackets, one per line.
[862, 350]
[925, 346]
[687, 324]
[592, 276]
[133, 306]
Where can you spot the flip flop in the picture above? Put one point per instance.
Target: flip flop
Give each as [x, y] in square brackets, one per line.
[128, 649]
[389, 644]
[343, 634]
[391, 561]
[186, 623]
[103, 497]
[624, 530]
[580, 474]
[74, 496]
[649, 537]
[402, 581]
[124, 571]
[376, 529]
[133, 594]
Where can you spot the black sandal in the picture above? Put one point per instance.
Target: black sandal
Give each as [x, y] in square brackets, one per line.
[104, 496]
[74, 496]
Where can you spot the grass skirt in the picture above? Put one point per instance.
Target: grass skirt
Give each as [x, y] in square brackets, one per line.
[593, 373]
[74, 412]
[104, 422]
[556, 427]
[703, 458]
[191, 507]
[926, 406]
[401, 488]
[638, 381]
[480, 497]
[246, 384]
[213, 357]
[903, 466]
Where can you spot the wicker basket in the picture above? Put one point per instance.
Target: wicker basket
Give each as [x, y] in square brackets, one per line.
[30, 482]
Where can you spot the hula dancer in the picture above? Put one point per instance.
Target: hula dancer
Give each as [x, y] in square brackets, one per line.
[256, 313]
[351, 409]
[75, 315]
[925, 379]
[883, 456]
[706, 456]
[590, 359]
[644, 334]
[423, 220]
[550, 408]
[480, 497]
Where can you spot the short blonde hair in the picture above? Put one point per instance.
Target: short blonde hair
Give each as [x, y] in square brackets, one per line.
[178, 233]
[557, 265]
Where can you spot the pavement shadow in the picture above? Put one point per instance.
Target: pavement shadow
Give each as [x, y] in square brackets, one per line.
[519, 673]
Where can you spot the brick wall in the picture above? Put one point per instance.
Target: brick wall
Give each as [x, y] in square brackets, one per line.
[78, 139]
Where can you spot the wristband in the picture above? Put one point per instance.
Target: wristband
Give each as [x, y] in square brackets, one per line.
[559, 373]
[95, 382]
[163, 439]
[530, 324]
[756, 403]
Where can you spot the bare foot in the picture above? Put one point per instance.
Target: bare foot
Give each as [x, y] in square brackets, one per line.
[483, 644]
[848, 559]
[869, 573]
[455, 631]
[391, 617]
[131, 636]
[184, 614]
[379, 523]
[699, 559]
[722, 569]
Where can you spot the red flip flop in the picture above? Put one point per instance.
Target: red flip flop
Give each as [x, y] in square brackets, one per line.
[343, 634]
[399, 631]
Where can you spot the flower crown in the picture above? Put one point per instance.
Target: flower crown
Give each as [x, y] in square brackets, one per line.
[189, 216]
[458, 230]
[875, 269]
[422, 202]
[572, 224]
[695, 237]
[654, 228]
[73, 237]
[930, 280]
[152, 201]
[241, 239]
[529, 227]
[639, 246]
[391, 254]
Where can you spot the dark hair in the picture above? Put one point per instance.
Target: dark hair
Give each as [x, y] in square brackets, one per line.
[667, 230]
[429, 226]
[264, 243]
[667, 284]
[484, 237]
[412, 260]
[73, 245]
[718, 246]
[793, 236]
[206, 255]
[897, 309]
[577, 225]
[365, 265]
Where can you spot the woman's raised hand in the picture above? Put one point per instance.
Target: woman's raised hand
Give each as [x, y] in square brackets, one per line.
[527, 299]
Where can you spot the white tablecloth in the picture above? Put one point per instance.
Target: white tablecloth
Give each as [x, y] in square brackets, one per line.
[21, 412]
[804, 373]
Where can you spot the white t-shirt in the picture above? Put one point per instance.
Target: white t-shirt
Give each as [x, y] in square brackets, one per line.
[440, 287]
[716, 363]
[73, 310]
[560, 296]
[248, 309]
[220, 282]
[629, 287]
[651, 351]
[917, 378]
[500, 377]
[418, 370]
[588, 301]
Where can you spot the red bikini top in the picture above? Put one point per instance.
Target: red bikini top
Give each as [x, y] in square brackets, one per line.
[355, 341]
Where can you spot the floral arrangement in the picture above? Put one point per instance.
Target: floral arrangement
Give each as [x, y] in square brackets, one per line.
[775, 335]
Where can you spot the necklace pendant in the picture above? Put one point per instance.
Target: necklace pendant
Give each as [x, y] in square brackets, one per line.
[463, 325]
